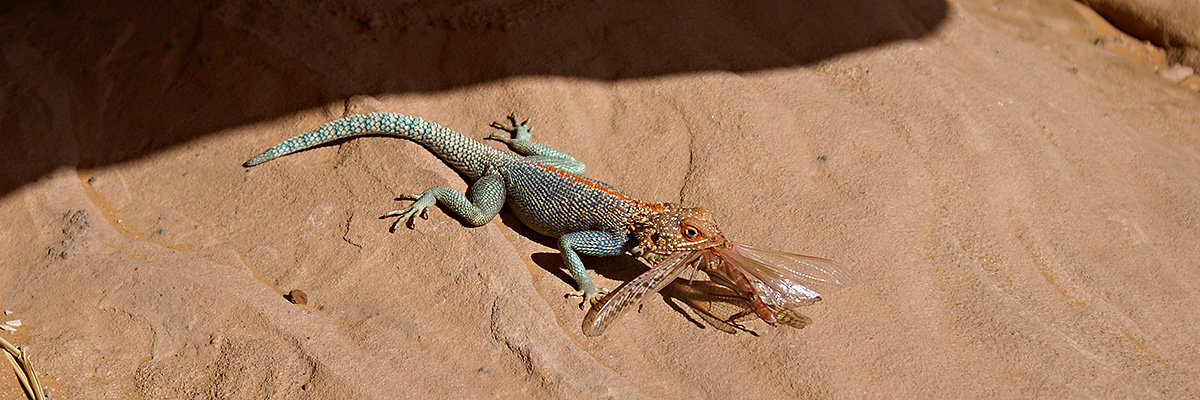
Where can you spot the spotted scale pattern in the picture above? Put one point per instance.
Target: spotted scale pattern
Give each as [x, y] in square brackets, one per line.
[468, 156]
[566, 203]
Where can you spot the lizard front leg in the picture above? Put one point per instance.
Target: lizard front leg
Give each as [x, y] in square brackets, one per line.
[487, 196]
[521, 143]
[591, 243]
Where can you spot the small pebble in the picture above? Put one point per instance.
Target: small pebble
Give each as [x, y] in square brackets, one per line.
[296, 296]
[1176, 73]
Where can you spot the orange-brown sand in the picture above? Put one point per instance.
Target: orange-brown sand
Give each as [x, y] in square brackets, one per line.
[1017, 200]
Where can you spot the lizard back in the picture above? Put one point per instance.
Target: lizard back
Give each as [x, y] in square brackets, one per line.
[554, 202]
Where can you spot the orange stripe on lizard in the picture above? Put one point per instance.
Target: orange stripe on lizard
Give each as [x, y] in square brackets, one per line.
[597, 186]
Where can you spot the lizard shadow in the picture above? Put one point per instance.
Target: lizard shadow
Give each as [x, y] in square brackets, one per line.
[620, 268]
[623, 269]
[679, 295]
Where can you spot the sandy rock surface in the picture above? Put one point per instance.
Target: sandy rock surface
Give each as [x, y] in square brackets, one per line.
[1016, 199]
[1172, 24]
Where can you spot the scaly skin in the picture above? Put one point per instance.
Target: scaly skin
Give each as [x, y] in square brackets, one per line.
[543, 189]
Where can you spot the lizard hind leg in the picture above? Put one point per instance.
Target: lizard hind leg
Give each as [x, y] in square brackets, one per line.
[487, 197]
[521, 142]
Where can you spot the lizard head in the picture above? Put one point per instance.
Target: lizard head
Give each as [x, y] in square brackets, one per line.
[770, 284]
[671, 228]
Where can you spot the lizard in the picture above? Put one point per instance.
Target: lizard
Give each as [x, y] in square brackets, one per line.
[544, 188]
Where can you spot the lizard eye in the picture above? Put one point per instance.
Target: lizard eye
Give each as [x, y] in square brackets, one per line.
[690, 232]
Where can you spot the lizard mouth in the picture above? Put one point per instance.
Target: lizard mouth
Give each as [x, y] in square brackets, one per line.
[657, 255]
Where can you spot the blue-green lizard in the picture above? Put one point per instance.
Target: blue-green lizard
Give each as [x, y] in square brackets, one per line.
[545, 190]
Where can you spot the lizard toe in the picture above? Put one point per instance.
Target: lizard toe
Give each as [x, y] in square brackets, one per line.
[408, 215]
[405, 214]
[497, 136]
[501, 125]
[600, 294]
[589, 298]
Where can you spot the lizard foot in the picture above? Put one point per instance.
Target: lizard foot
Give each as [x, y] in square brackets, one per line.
[409, 214]
[588, 298]
[521, 129]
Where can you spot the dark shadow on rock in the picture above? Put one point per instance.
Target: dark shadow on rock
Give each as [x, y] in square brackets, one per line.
[124, 79]
[622, 268]
[509, 219]
[552, 262]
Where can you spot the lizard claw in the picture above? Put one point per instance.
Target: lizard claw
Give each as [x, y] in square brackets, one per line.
[588, 298]
[514, 126]
[497, 136]
[408, 196]
[419, 208]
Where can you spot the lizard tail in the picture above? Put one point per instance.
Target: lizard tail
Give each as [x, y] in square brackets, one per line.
[464, 154]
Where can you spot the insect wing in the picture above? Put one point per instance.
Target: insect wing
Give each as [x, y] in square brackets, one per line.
[789, 314]
[601, 315]
[791, 278]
